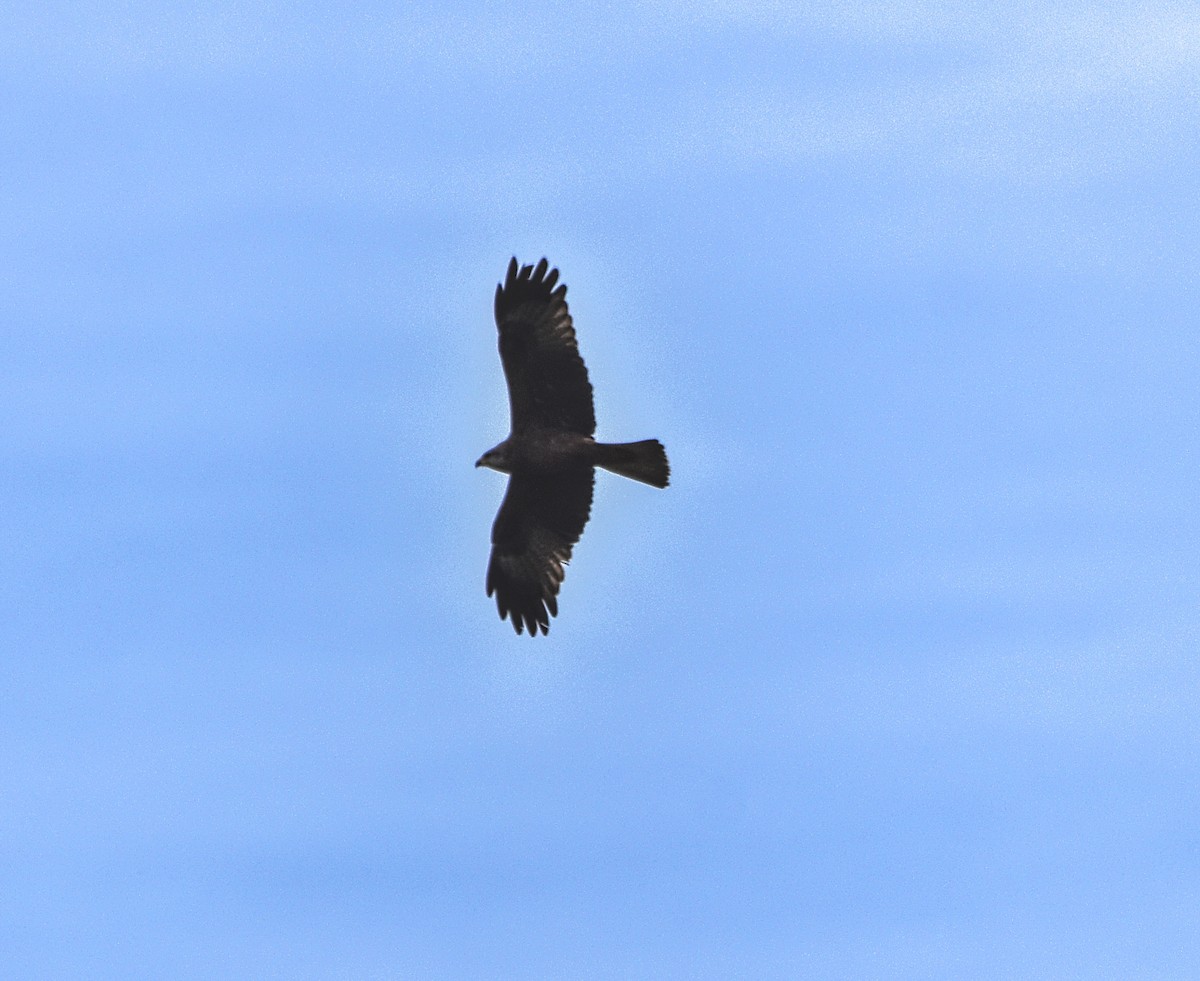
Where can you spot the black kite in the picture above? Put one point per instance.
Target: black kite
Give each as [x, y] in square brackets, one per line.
[550, 455]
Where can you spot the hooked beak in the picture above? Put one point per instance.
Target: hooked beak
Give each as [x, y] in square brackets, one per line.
[479, 462]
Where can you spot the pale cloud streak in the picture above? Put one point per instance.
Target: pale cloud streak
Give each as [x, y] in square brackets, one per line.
[1060, 96]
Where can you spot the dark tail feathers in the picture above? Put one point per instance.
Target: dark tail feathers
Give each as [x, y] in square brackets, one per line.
[645, 461]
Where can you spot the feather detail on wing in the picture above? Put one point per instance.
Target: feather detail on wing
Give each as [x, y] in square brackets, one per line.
[547, 382]
[539, 522]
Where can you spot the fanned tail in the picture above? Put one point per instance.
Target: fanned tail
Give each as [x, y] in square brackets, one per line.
[645, 460]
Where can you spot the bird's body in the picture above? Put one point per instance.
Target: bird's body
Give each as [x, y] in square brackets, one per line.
[550, 454]
[540, 450]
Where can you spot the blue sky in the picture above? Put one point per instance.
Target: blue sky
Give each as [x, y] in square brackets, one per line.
[898, 679]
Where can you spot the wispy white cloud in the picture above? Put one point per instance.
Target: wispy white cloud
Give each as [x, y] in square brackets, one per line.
[1060, 95]
[1019, 95]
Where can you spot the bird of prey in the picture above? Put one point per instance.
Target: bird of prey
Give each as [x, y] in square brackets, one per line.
[549, 455]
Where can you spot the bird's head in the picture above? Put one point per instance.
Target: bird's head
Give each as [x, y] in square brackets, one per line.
[496, 459]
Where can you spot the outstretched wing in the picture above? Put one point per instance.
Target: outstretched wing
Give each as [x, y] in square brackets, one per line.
[547, 382]
[539, 521]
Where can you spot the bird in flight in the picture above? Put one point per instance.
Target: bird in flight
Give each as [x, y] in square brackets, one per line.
[549, 455]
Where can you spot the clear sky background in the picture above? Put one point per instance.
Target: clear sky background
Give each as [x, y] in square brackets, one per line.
[898, 679]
